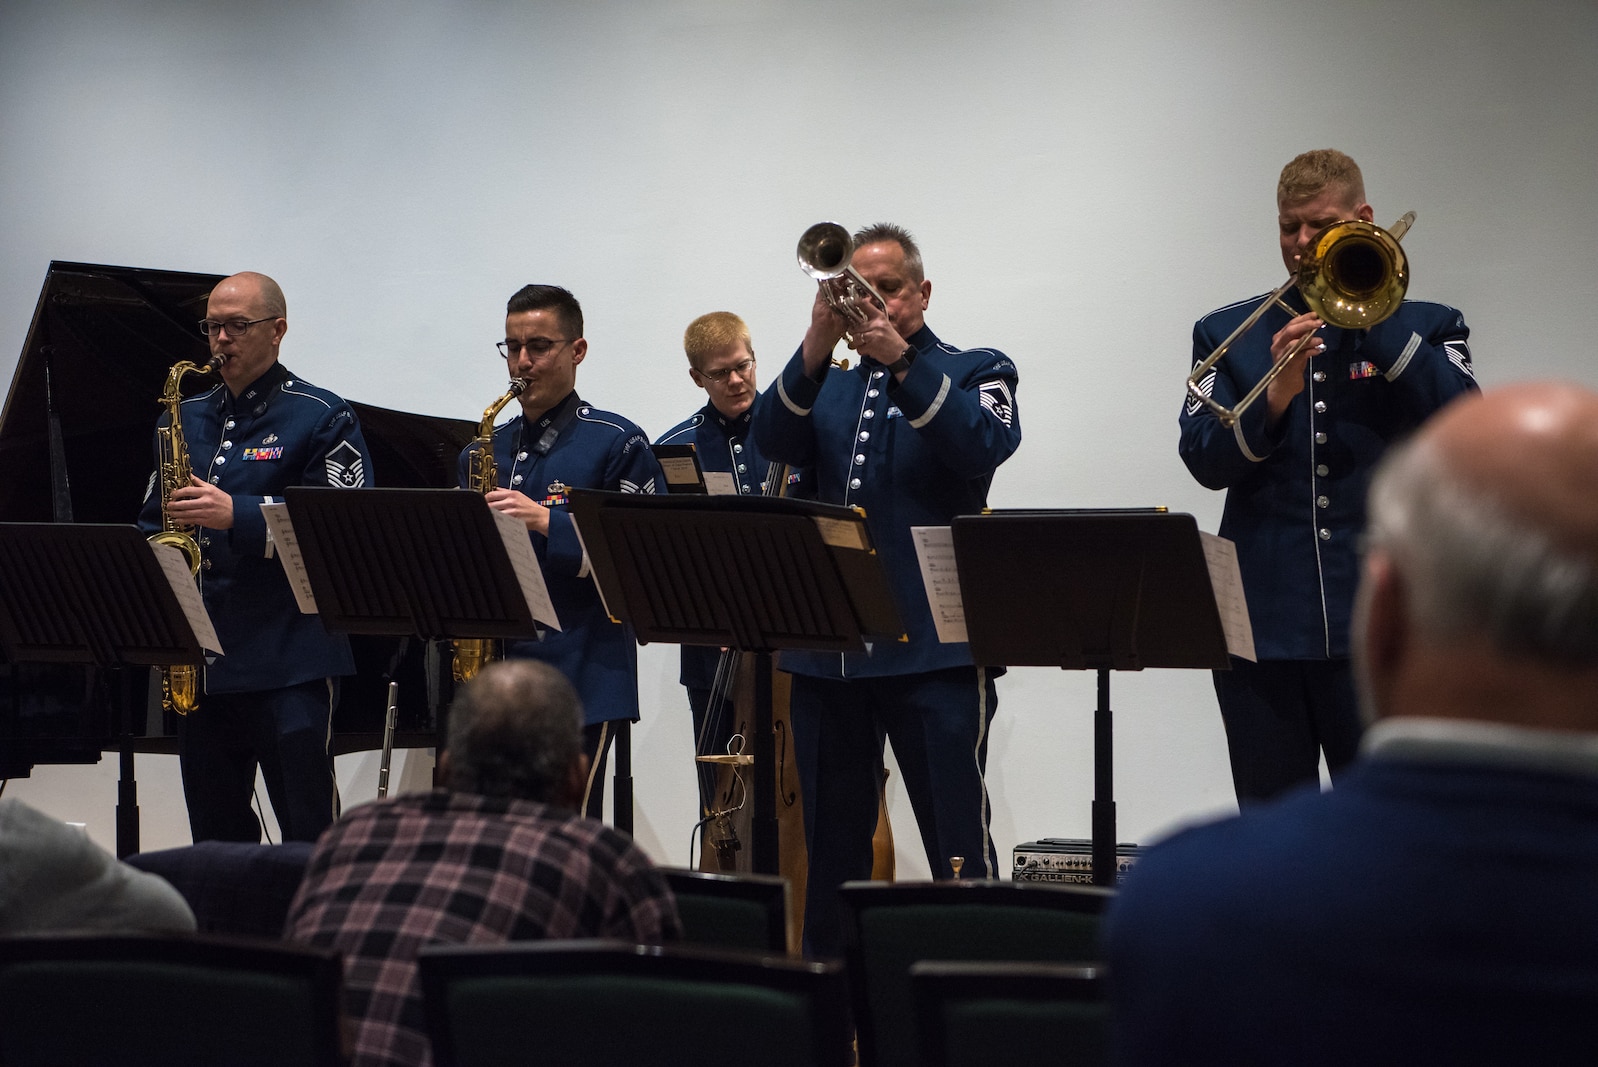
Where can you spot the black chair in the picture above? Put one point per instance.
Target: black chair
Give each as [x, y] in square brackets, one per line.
[973, 1014]
[233, 887]
[607, 1002]
[889, 926]
[731, 911]
[174, 1001]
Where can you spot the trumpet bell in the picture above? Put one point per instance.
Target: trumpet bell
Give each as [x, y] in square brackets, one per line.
[1354, 274]
[825, 250]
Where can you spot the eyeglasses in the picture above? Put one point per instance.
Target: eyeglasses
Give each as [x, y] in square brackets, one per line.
[741, 368]
[535, 346]
[234, 327]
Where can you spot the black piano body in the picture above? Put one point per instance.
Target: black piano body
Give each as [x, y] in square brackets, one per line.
[75, 446]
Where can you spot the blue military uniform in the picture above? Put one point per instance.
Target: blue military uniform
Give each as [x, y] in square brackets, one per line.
[911, 453]
[273, 681]
[576, 446]
[1295, 507]
[724, 445]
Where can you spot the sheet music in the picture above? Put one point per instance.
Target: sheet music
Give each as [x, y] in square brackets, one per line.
[1227, 582]
[280, 532]
[176, 569]
[720, 483]
[528, 573]
[935, 552]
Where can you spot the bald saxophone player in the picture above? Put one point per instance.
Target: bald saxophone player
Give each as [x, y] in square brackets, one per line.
[268, 701]
[1437, 905]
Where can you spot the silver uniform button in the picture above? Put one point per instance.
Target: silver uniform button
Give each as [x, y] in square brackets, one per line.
[865, 435]
[1322, 502]
[289, 382]
[737, 448]
[219, 460]
[869, 414]
[1326, 535]
[227, 444]
[859, 458]
[1320, 439]
[872, 393]
[1323, 470]
[215, 479]
[1320, 376]
[742, 468]
[854, 483]
[521, 457]
[875, 375]
[1320, 406]
[228, 425]
[516, 479]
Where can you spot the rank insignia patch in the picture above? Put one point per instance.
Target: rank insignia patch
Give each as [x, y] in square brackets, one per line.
[345, 467]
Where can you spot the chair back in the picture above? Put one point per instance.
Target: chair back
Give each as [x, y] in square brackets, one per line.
[610, 1002]
[748, 911]
[888, 927]
[233, 887]
[973, 1014]
[176, 1001]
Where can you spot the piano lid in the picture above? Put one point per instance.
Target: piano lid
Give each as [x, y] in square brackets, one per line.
[97, 355]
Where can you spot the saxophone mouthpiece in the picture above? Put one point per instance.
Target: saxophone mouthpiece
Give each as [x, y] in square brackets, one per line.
[216, 361]
[517, 385]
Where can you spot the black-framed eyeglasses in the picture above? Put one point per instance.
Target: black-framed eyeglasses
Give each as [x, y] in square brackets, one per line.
[536, 346]
[234, 327]
[741, 368]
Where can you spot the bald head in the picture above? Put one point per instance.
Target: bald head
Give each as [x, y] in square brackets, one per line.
[1480, 591]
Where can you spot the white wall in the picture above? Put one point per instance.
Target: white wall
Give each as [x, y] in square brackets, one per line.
[1086, 179]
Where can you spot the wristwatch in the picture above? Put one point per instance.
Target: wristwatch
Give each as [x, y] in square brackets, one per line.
[902, 364]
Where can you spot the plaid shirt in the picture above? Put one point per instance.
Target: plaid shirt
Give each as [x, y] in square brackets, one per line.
[453, 868]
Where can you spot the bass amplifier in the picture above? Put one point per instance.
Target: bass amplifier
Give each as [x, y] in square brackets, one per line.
[1065, 859]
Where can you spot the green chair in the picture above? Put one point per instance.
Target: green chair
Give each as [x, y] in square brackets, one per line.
[605, 1002]
[174, 1001]
[890, 926]
[731, 911]
[973, 1014]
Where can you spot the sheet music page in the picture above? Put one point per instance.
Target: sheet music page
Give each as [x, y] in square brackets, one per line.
[720, 483]
[280, 533]
[1227, 581]
[176, 569]
[935, 551]
[528, 573]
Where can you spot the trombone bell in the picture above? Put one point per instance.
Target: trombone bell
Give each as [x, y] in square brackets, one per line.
[1353, 275]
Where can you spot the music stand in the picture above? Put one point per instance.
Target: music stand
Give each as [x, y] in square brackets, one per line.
[92, 594]
[755, 574]
[1102, 591]
[428, 563]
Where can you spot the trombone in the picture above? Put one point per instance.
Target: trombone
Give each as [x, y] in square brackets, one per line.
[1353, 275]
[825, 250]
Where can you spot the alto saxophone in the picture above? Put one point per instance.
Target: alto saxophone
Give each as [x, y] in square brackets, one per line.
[482, 477]
[180, 682]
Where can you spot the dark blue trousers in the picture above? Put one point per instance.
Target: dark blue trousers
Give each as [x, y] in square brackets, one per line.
[287, 733]
[938, 724]
[1280, 715]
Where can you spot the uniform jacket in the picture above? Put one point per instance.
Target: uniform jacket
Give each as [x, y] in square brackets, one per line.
[1295, 501]
[913, 453]
[279, 431]
[575, 446]
[727, 445]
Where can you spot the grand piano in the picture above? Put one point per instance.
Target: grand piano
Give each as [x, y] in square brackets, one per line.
[75, 446]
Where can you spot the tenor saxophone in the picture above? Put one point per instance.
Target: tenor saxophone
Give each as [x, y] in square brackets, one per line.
[482, 476]
[180, 682]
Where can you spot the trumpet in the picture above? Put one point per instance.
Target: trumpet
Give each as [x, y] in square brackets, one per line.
[825, 250]
[1353, 275]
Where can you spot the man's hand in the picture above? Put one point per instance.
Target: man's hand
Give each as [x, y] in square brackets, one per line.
[514, 502]
[1290, 382]
[826, 330]
[877, 338]
[201, 504]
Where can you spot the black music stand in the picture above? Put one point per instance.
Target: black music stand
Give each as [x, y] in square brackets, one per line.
[93, 594]
[1102, 591]
[755, 574]
[427, 563]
